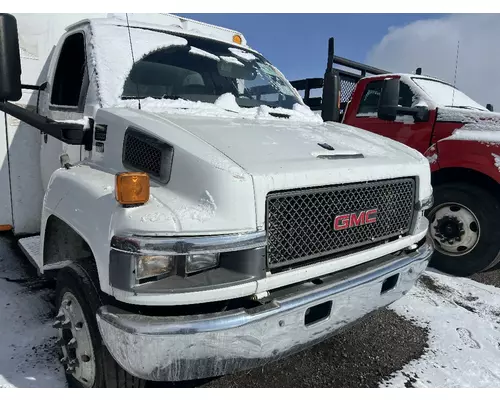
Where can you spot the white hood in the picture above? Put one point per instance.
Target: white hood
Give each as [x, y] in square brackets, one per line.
[279, 154]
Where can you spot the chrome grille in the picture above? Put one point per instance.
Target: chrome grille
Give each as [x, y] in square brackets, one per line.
[300, 222]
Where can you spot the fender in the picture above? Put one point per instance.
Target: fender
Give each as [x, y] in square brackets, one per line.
[83, 198]
[483, 157]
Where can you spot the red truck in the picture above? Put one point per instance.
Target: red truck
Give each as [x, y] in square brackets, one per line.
[460, 138]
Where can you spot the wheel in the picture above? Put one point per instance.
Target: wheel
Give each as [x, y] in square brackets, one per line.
[463, 224]
[86, 360]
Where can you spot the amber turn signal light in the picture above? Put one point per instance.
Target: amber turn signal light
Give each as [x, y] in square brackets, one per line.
[132, 188]
[237, 39]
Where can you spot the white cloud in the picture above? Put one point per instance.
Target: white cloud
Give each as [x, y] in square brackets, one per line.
[432, 45]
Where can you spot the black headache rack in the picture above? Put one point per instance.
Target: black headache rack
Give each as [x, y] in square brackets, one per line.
[348, 80]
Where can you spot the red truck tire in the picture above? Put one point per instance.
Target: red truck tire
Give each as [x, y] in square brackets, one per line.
[464, 224]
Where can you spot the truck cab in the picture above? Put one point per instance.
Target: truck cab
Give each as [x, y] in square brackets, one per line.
[459, 137]
[198, 218]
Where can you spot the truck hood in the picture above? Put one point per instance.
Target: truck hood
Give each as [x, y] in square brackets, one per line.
[267, 146]
[472, 119]
[265, 155]
[283, 154]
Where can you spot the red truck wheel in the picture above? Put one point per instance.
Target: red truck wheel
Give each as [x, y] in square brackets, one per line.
[464, 225]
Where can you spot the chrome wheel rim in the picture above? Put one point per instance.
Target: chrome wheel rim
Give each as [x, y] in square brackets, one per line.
[75, 341]
[454, 228]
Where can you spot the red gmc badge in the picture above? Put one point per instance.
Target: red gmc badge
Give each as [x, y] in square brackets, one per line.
[346, 221]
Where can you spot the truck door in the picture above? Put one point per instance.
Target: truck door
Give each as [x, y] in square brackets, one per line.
[67, 90]
[404, 129]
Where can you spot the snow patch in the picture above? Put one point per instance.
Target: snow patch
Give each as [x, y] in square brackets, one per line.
[202, 109]
[245, 55]
[496, 159]
[474, 120]
[226, 165]
[203, 53]
[227, 101]
[478, 136]
[82, 121]
[203, 211]
[28, 356]
[232, 60]
[463, 318]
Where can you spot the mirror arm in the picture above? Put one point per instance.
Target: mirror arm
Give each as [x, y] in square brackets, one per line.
[65, 132]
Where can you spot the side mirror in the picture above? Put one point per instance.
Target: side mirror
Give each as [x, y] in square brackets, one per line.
[389, 98]
[489, 107]
[10, 61]
[389, 109]
[330, 109]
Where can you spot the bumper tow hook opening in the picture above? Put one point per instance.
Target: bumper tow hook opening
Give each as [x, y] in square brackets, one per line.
[317, 313]
[389, 284]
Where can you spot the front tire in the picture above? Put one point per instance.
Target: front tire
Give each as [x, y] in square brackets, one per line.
[85, 358]
[464, 225]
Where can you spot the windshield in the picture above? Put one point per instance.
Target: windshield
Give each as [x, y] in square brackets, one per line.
[446, 95]
[206, 69]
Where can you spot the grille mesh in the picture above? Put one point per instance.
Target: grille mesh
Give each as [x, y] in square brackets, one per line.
[142, 155]
[300, 222]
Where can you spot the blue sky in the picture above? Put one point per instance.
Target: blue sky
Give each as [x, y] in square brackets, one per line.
[297, 43]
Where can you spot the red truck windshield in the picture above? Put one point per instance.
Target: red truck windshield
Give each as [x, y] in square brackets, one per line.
[446, 95]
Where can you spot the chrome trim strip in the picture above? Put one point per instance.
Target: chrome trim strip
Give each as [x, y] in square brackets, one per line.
[188, 245]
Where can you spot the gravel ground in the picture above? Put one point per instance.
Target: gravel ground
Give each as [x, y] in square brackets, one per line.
[359, 357]
[491, 277]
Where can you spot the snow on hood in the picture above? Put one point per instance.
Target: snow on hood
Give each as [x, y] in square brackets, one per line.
[260, 143]
[475, 120]
[271, 134]
[224, 107]
[112, 56]
[482, 126]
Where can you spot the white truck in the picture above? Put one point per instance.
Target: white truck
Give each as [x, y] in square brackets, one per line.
[197, 217]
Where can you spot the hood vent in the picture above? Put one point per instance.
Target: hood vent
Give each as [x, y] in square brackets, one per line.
[142, 152]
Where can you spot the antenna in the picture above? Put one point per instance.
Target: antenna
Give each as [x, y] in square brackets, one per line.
[456, 68]
[133, 61]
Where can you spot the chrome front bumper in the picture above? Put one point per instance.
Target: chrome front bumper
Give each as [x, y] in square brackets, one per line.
[201, 346]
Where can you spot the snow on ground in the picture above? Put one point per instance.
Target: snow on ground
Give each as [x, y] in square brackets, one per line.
[462, 316]
[27, 355]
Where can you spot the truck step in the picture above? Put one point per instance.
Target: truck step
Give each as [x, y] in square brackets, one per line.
[31, 248]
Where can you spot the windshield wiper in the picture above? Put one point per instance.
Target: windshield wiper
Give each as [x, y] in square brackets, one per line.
[467, 107]
[165, 96]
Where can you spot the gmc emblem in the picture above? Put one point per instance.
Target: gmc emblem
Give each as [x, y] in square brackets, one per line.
[346, 221]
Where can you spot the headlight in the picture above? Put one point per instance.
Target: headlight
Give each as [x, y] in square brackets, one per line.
[155, 266]
[199, 262]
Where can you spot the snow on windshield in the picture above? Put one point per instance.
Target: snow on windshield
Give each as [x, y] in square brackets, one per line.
[112, 56]
[193, 69]
[445, 95]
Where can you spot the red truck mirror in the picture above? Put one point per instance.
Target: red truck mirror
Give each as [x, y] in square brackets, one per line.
[10, 61]
[389, 108]
[389, 98]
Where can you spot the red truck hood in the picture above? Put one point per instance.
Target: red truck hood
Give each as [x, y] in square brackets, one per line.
[476, 120]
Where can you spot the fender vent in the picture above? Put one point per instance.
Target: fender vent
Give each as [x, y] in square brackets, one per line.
[142, 152]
